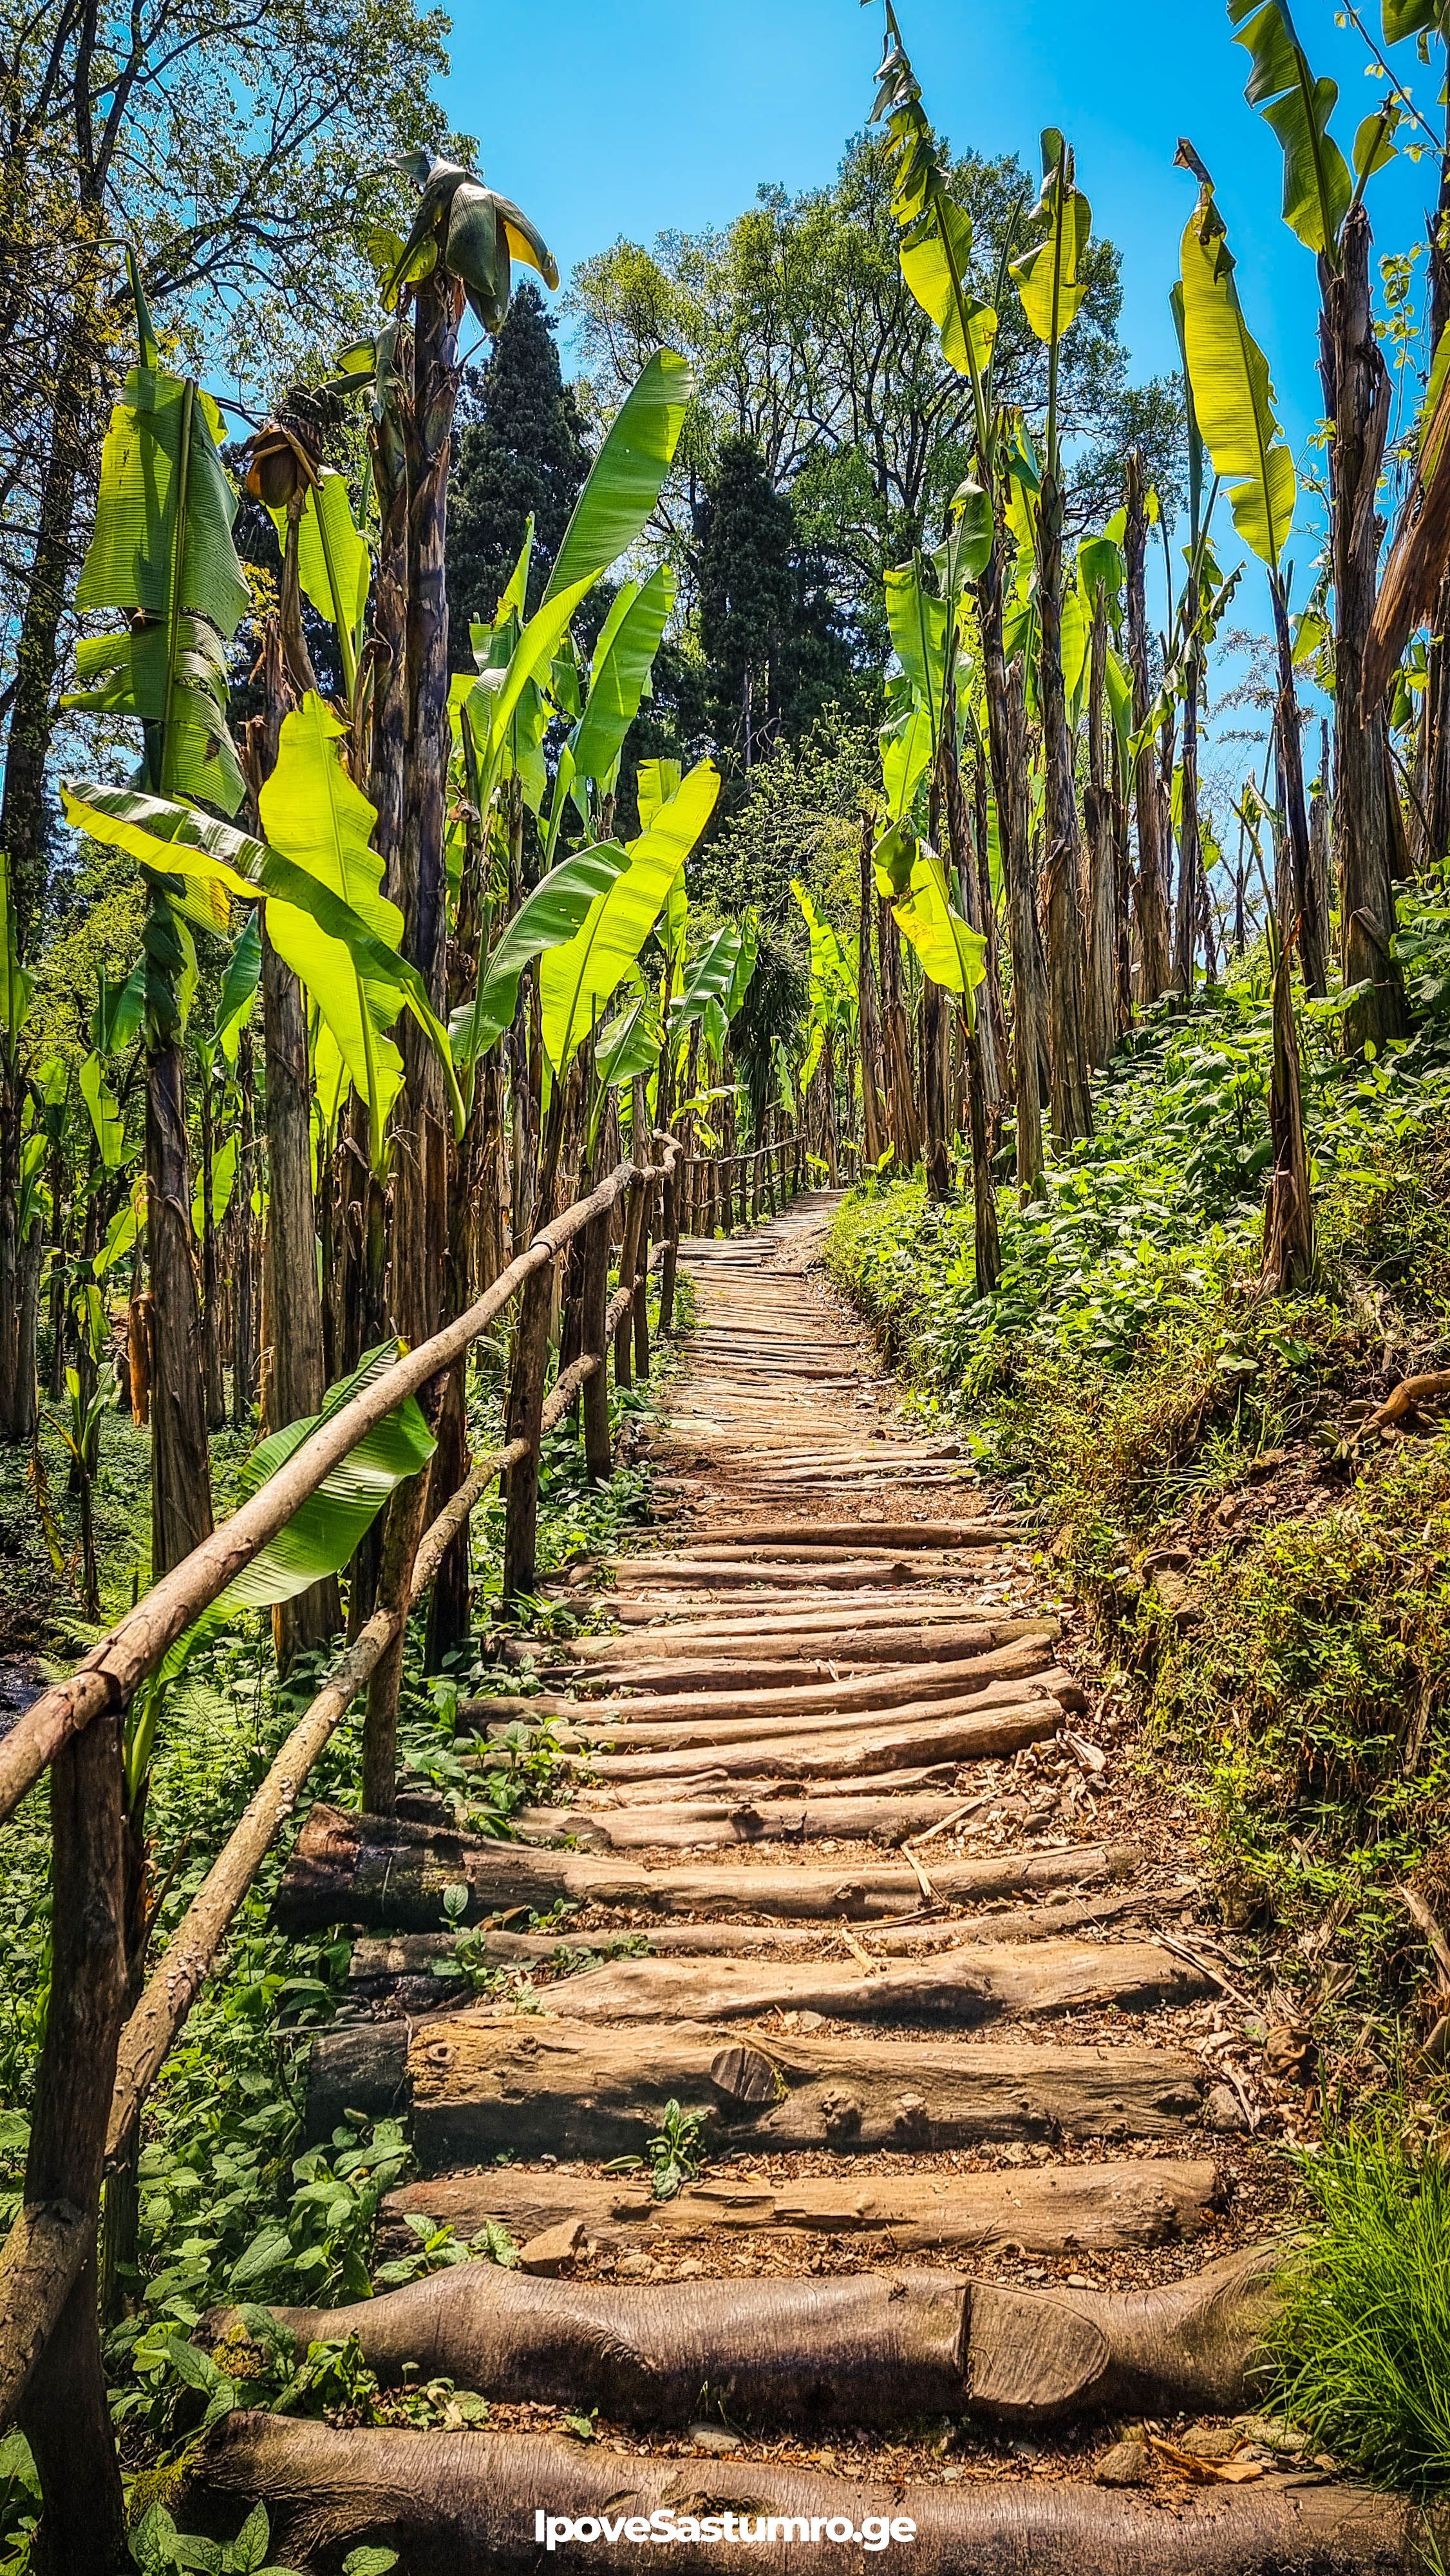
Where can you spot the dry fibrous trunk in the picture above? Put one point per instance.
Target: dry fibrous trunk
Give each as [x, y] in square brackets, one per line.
[65, 2412]
[900, 1088]
[982, 914]
[1100, 888]
[294, 1377]
[1188, 920]
[934, 1084]
[873, 1137]
[871, 2348]
[465, 2504]
[17, 1338]
[976, 1028]
[1029, 995]
[181, 1514]
[1007, 753]
[1298, 915]
[1072, 1111]
[1149, 898]
[1358, 402]
[1289, 1207]
[244, 1244]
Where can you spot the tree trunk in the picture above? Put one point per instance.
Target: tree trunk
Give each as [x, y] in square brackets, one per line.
[1359, 406]
[17, 1356]
[1100, 897]
[1072, 1109]
[1297, 892]
[244, 1297]
[900, 1089]
[1029, 999]
[1149, 900]
[293, 1374]
[1289, 1209]
[216, 1402]
[25, 802]
[872, 1136]
[181, 1514]
[1190, 850]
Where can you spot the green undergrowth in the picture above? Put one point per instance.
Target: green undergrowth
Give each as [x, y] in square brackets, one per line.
[1270, 1589]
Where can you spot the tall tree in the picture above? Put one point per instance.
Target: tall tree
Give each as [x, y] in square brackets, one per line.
[772, 650]
[520, 455]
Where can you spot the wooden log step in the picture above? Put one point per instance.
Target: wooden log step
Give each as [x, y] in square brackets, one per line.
[481, 2087]
[891, 1688]
[780, 1714]
[1010, 1981]
[748, 1662]
[693, 1824]
[874, 2349]
[389, 1875]
[719, 1574]
[941, 1624]
[709, 1783]
[883, 1742]
[401, 1973]
[466, 2504]
[1044, 2209]
[891, 1537]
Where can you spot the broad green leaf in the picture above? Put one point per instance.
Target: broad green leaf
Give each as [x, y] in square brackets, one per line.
[1413, 18]
[906, 747]
[1317, 185]
[17, 984]
[918, 624]
[628, 475]
[620, 670]
[935, 256]
[124, 1227]
[326, 1531]
[223, 1182]
[175, 840]
[1232, 394]
[239, 989]
[740, 981]
[105, 1115]
[556, 909]
[951, 952]
[129, 565]
[1049, 278]
[333, 564]
[491, 711]
[629, 1046]
[710, 976]
[1374, 140]
[1101, 569]
[1076, 635]
[156, 673]
[577, 980]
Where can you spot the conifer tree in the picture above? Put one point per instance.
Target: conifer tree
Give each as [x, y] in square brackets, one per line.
[522, 451]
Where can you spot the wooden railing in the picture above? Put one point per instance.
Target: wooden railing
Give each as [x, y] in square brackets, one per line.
[97, 2063]
[723, 1190]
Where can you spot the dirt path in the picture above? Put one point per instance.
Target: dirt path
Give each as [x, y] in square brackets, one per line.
[881, 1920]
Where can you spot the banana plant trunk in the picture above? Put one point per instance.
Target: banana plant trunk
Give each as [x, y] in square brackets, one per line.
[1072, 1108]
[1190, 859]
[1101, 885]
[1358, 400]
[1288, 1209]
[871, 1121]
[1007, 753]
[17, 1355]
[181, 1514]
[1149, 899]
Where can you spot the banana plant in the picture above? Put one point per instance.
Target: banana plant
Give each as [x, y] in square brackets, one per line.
[578, 978]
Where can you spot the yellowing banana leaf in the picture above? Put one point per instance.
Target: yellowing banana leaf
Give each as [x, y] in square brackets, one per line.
[935, 255]
[951, 952]
[658, 781]
[628, 475]
[620, 670]
[492, 709]
[546, 918]
[1317, 184]
[577, 980]
[1232, 395]
[710, 976]
[905, 759]
[1049, 278]
[174, 674]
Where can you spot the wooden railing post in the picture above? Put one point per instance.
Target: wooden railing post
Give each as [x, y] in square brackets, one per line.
[598, 1458]
[641, 1280]
[628, 1262]
[670, 1224]
[524, 1421]
[64, 2412]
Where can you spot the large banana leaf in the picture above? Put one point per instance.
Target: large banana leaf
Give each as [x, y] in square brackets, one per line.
[555, 910]
[918, 624]
[628, 475]
[17, 984]
[162, 554]
[333, 563]
[1413, 18]
[619, 671]
[105, 1114]
[906, 747]
[740, 981]
[710, 977]
[1049, 278]
[329, 946]
[629, 1046]
[1317, 184]
[657, 782]
[577, 980]
[1232, 395]
[495, 699]
[935, 254]
[951, 952]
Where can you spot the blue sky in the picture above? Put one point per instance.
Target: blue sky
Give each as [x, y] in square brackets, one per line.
[629, 116]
